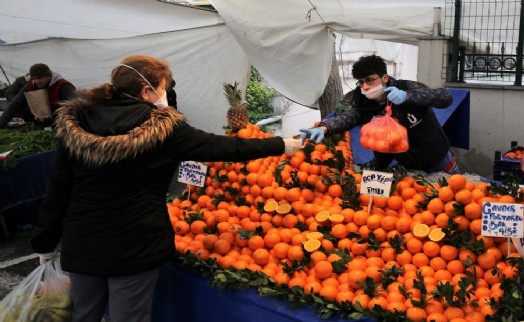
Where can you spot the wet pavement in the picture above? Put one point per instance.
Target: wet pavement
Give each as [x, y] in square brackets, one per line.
[17, 259]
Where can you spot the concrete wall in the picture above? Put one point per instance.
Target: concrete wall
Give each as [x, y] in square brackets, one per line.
[496, 119]
[430, 63]
[496, 111]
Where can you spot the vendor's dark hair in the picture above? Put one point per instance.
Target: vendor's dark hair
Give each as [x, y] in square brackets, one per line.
[367, 65]
[128, 80]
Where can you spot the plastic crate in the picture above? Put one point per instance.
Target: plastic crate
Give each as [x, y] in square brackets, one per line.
[502, 166]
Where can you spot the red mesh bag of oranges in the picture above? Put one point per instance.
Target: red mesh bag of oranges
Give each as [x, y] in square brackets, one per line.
[384, 134]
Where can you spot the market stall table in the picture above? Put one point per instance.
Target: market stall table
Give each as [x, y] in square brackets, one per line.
[22, 186]
[27, 181]
[182, 295]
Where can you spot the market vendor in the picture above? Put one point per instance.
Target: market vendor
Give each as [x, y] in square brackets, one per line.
[412, 104]
[38, 99]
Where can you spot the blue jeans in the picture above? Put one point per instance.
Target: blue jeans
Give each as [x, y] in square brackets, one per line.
[448, 165]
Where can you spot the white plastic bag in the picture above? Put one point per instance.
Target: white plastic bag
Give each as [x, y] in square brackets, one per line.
[43, 296]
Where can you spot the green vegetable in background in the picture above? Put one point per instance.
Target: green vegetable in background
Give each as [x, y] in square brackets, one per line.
[24, 141]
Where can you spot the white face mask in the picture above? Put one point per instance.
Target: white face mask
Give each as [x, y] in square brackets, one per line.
[162, 101]
[374, 93]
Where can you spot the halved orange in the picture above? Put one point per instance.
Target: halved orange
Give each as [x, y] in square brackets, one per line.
[314, 235]
[322, 216]
[421, 230]
[312, 245]
[436, 235]
[336, 218]
[284, 208]
[271, 206]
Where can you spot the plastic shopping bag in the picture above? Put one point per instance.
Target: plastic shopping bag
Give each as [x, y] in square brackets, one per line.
[384, 134]
[43, 296]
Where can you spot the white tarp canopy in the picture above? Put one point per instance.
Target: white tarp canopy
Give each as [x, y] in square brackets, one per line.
[202, 53]
[290, 42]
[27, 20]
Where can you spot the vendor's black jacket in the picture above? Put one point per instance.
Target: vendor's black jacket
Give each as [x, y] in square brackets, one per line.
[106, 196]
[428, 144]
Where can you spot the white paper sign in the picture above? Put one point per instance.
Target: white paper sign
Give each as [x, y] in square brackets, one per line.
[502, 219]
[519, 245]
[193, 173]
[376, 183]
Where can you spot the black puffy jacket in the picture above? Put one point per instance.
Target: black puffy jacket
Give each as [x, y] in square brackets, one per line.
[106, 195]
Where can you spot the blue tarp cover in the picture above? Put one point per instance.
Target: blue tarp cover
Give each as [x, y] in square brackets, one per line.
[26, 182]
[183, 296]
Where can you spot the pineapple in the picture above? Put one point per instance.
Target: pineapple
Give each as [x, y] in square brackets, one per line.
[237, 117]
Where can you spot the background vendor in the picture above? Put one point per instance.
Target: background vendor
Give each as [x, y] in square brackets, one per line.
[42, 78]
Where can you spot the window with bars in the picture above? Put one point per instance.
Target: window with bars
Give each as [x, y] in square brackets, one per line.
[487, 37]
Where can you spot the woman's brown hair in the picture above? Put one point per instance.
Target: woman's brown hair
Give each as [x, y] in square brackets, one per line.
[128, 80]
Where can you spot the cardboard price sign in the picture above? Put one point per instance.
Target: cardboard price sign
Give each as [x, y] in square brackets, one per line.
[376, 183]
[502, 219]
[192, 173]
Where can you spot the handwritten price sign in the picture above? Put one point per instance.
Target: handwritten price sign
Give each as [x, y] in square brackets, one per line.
[502, 219]
[376, 183]
[192, 173]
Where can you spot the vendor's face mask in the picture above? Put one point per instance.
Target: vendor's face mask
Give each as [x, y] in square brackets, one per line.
[374, 93]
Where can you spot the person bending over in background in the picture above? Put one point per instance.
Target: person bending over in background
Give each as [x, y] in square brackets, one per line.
[38, 99]
[106, 202]
[16, 87]
[412, 107]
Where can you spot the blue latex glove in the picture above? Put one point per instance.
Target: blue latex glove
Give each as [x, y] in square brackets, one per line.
[396, 96]
[313, 133]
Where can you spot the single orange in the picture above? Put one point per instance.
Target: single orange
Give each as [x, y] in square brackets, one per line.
[283, 208]
[421, 230]
[322, 216]
[336, 218]
[457, 182]
[271, 206]
[314, 235]
[436, 235]
[312, 245]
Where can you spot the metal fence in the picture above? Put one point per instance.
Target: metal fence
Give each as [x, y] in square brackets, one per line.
[487, 39]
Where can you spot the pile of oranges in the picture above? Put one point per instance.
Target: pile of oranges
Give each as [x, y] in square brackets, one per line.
[515, 153]
[266, 214]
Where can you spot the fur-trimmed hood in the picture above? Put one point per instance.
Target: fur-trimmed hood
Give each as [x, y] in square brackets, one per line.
[144, 127]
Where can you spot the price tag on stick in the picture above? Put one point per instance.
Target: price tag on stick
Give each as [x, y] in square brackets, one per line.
[193, 173]
[375, 183]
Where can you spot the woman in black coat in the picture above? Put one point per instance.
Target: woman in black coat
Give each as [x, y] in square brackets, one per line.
[106, 202]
